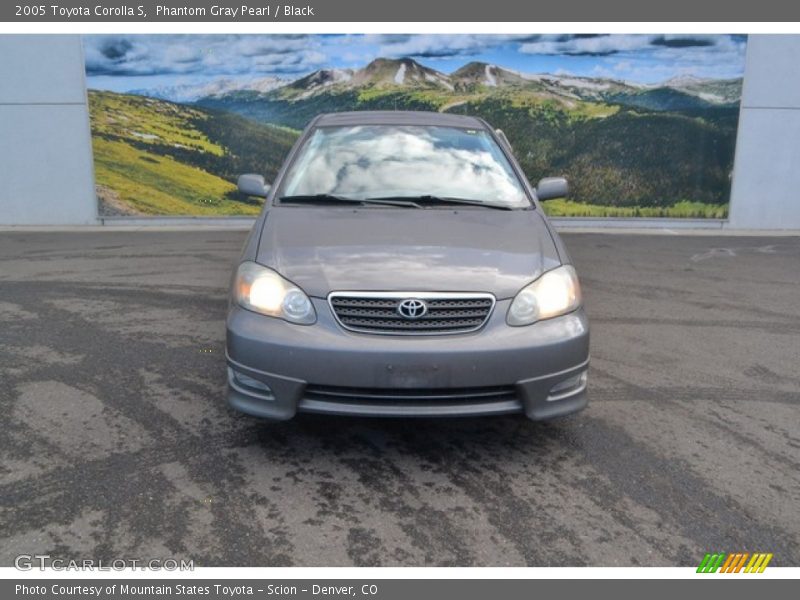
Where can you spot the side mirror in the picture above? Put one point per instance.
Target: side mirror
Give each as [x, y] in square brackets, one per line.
[252, 185]
[552, 187]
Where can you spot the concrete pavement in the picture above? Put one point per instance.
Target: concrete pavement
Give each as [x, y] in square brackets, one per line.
[116, 442]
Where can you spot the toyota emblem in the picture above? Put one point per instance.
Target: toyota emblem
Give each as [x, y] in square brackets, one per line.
[412, 308]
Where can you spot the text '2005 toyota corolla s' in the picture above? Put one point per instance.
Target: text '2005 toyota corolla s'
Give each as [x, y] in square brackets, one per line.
[402, 266]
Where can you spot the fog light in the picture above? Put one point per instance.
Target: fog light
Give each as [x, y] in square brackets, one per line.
[571, 385]
[250, 385]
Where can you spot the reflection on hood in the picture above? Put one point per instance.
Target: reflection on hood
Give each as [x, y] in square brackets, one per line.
[375, 161]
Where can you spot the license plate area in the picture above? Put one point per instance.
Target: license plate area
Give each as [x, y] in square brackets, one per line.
[416, 376]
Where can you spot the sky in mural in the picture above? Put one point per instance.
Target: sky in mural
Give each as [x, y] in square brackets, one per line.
[129, 62]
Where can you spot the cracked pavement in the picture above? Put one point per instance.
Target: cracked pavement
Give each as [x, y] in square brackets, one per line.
[117, 442]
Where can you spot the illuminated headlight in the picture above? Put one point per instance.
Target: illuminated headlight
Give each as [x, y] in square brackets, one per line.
[263, 291]
[555, 293]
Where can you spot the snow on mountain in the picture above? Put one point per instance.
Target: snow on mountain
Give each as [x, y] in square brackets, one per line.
[588, 84]
[683, 81]
[216, 88]
[400, 76]
[407, 73]
[490, 79]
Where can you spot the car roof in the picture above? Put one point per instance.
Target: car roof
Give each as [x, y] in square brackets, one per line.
[398, 117]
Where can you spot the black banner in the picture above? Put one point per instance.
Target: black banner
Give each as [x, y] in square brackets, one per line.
[391, 589]
[406, 11]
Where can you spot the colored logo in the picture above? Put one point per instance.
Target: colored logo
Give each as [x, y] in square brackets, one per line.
[734, 563]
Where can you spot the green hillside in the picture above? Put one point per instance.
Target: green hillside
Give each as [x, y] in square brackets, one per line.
[663, 99]
[651, 148]
[628, 150]
[628, 158]
[156, 157]
[680, 210]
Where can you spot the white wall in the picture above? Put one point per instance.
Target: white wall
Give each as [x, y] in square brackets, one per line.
[766, 176]
[46, 174]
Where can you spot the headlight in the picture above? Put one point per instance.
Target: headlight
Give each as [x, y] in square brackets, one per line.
[555, 293]
[262, 290]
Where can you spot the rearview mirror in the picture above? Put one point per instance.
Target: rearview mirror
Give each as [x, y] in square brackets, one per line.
[252, 185]
[552, 187]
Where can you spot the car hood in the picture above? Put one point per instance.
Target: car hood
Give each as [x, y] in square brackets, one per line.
[325, 249]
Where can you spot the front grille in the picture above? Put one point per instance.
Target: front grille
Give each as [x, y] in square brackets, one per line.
[411, 396]
[377, 312]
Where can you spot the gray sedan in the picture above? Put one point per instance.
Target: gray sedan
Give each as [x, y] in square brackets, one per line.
[402, 266]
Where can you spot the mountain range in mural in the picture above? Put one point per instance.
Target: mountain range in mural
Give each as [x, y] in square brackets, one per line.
[629, 149]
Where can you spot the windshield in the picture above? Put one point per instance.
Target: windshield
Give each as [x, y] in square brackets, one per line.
[399, 161]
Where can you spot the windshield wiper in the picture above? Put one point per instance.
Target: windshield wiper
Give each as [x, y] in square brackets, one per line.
[428, 198]
[332, 198]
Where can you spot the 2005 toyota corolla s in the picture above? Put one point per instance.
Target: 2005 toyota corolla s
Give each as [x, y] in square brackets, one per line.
[402, 266]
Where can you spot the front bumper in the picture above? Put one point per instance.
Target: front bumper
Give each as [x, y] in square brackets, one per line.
[323, 368]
